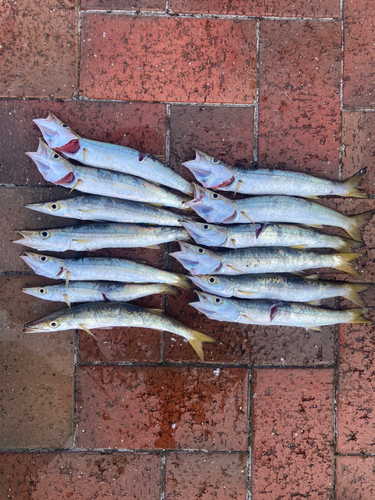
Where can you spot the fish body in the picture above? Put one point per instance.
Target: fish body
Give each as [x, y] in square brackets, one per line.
[54, 168]
[108, 156]
[115, 314]
[215, 174]
[90, 237]
[198, 260]
[101, 208]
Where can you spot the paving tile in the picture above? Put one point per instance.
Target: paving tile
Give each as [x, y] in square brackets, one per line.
[137, 125]
[39, 48]
[156, 407]
[355, 478]
[224, 132]
[137, 5]
[36, 394]
[359, 54]
[211, 476]
[168, 59]
[299, 101]
[284, 8]
[79, 475]
[293, 435]
[358, 139]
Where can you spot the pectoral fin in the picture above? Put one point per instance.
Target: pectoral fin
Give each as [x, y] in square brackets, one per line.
[314, 302]
[77, 183]
[313, 328]
[153, 247]
[66, 298]
[154, 311]
[86, 330]
[67, 276]
[247, 217]
[235, 269]
[245, 293]
[298, 247]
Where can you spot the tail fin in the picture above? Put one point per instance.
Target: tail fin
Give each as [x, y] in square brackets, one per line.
[352, 184]
[355, 289]
[196, 342]
[169, 290]
[357, 222]
[182, 281]
[357, 316]
[347, 245]
[344, 259]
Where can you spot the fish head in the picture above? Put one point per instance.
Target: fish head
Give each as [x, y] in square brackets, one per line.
[206, 234]
[210, 172]
[57, 134]
[42, 292]
[217, 285]
[53, 167]
[218, 308]
[53, 323]
[44, 239]
[52, 267]
[197, 260]
[52, 207]
[211, 206]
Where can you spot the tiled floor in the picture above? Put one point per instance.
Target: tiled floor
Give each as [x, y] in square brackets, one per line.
[273, 413]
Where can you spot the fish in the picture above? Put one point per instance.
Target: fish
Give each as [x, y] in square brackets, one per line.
[215, 208]
[116, 314]
[62, 139]
[199, 260]
[102, 208]
[92, 291]
[275, 313]
[55, 168]
[90, 237]
[265, 235]
[278, 287]
[102, 269]
[215, 174]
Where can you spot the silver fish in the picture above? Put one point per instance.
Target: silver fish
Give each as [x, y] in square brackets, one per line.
[90, 237]
[215, 174]
[275, 313]
[265, 235]
[108, 156]
[116, 314]
[103, 269]
[54, 168]
[198, 260]
[286, 288]
[101, 208]
[213, 207]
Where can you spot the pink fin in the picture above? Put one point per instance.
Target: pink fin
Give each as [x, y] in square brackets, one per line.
[60, 272]
[106, 299]
[70, 147]
[67, 179]
[259, 230]
[274, 309]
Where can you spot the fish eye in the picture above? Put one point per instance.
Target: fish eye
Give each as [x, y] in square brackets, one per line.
[218, 300]
[200, 250]
[53, 324]
[215, 160]
[65, 126]
[206, 226]
[54, 206]
[42, 290]
[43, 258]
[215, 195]
[44, 234]
[55, 156]
[212, 280]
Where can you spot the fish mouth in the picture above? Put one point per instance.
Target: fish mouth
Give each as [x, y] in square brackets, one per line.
[54, 132]
[27, 238]
[199, 280]
[205, 306]
[57, 171]
[29, 291]
[216, 237]
[38, 207]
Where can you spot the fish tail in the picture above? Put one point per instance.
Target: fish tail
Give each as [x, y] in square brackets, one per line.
[196, 342]
[357, 316]
[352, 184]
[182, 281]
[355, 289]
[356, 224]
[346, 245]
[169, 290]
[344, 259]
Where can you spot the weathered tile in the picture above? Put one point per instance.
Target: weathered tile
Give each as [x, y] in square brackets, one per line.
[355, 478]
[359, 54]
[299, 101]
[293, 435]
[136, 125]
[168, 59]
[205, 475]
[358, 142]
[36, 394]
[39, 48]
[225, 133]
[137, 5]
[79, 475]
[157, 407]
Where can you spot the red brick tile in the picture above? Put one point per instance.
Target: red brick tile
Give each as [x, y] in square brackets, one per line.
[136, 125]
[355, 478]
[293, 434]
[79, 475]
[211, 476]
[168, 59]
[146, 407]
[299, 102]
[355, 404]
[358, 140]
[39, 48]
[137, 5]
[225, 133]
[359, 54]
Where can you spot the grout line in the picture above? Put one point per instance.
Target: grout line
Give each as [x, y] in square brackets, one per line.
[162, 476]
[76, 93]
[341, 149]
[108, 451]
[166, 6]
[76, 340]
[249, 435]
[169, 364]
[335, 392]
[256, 107]
[168, 135]
[16, 273]
[359, 110]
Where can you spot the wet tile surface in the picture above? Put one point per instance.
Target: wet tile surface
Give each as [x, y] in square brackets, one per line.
[293, 433]
[32, 44]
[137, 5]
[355, 477]
[144, 407]
[79, 475]
[209, 476]
[168, 59]
[299, 100]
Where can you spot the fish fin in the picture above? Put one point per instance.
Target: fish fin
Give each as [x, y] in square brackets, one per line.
[235, 269]
[169, 290]
[156, 204]
[153, 247]
[238, 186]
[357, 316]
[84, 153]
[298, 247]
[315, 198]
[182, 281]
[312, 277]
[344, 265]
[245, 293]
[66, 298]
[159, 312]
[77, 183]
[355, 289]
[82, 327]
[298, 273]
[105, 298]
[357, 222]
[196, 342]
[87, 210]
[82, 240]
[140, 261]
[316, 328]
[233, 240]
[249, 318]
[347, 245]
[67, 276]
[314, 302]
[161, 158]
[318, 226]
[247, 217]
[352, 184]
